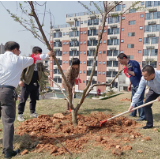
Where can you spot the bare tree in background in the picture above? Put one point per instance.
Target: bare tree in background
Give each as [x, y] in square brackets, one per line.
[34, 25]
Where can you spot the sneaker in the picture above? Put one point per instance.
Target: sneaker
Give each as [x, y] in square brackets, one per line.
[34, 115]
[20, 118]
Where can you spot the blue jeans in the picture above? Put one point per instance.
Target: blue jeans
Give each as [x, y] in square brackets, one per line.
[140, 102]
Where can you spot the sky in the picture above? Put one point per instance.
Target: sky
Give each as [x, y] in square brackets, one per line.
[11, 30]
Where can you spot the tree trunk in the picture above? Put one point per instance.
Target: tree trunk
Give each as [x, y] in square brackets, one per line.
[74, 117]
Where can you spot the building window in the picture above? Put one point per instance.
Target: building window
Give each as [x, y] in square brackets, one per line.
[103, 73]
[149, 3]
[123, 6]
[156, 3]
[67, 42]
[66, 52]
[81, 32]
[81, 22]
[63, 62]
[142, 3]
[109, 63]
[99, 72]
[131, 34]
[140, 39]
[139, 51]
[85, 21]
[104, 41]
[84, 52]
[132, 22]
[132, 10]
[84, 62]
[63, 33]
[84, 72]
[84, 42]
[80, 52]
[80, 71]
[63, 52]
[104, 52]
[99, 62]
[51, 70]
[151, 28]
[100, 42]
[118, 7]
[63, 42]
[105, 31]
[140, 28]
[67, 62]
[122, 29]
[104, 62]
[121, 52]
[51, 61]
[99, 52]
[122, 40]
[130, 46]
[85, 32]
[141, 15]
[80, 42]
[113, 19]
[123, 17]
[83, 81]
[67, 33]
[80, 62]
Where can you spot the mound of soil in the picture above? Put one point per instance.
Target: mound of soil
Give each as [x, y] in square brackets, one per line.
[56, 134]
[126, 99]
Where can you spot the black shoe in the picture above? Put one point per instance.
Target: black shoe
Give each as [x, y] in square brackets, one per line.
[147, 127]
[140, 119]
[10, 154]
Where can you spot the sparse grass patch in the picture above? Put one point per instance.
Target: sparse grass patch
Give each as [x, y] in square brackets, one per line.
[150, 149]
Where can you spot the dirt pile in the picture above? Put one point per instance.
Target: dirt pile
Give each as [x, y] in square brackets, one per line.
[125, 99]
[55, 133]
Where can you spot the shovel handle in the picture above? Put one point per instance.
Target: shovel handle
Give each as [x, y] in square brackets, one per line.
[133, 109]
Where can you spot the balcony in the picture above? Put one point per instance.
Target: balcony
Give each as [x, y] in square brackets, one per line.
[151, 35]
[149, 47]
[112, 48]
[153, 10]
[152, 23]
[81, 14]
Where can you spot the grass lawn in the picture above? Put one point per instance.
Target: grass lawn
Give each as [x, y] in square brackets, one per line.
[113, 105]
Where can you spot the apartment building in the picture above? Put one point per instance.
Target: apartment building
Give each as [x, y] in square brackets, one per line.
[135, 33]
[1, 49]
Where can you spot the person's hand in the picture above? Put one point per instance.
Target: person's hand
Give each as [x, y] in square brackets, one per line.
[129, 88]
[158, 98]
[21, 83]
[51, 53]
[49, 78]
[130, 109]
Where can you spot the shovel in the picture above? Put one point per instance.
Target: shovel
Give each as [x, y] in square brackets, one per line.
[101, 122]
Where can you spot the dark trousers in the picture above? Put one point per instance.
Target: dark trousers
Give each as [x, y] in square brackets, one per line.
[27, 90]
[150, 96]
[140, 102]
[8, 106]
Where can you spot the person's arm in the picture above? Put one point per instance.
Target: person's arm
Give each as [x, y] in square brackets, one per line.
[136, 69]
[28, 61]
[21, 79]
[137, 95]
[68, 76]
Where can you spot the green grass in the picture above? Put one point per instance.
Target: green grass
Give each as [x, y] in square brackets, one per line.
[113, 105]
